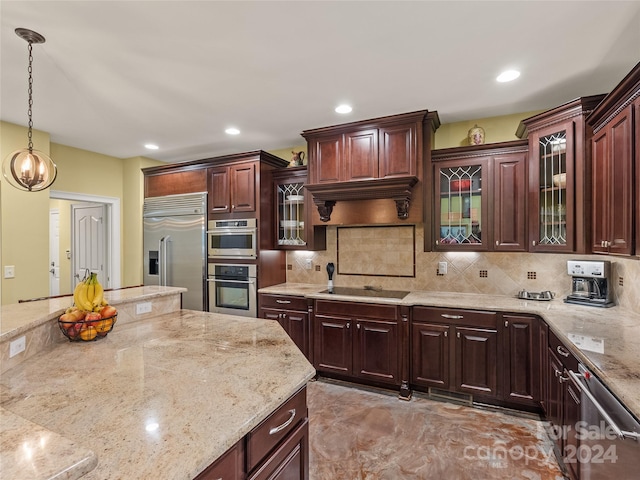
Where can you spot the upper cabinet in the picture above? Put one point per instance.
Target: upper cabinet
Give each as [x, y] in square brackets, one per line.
[293, 228]
[616, 167]
[161, 181]
[233, 188]
[370, 159]
[479, 197]
[560, 177]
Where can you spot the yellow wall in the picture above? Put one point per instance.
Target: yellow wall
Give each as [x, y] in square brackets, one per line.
[496, 129]
[25, 225]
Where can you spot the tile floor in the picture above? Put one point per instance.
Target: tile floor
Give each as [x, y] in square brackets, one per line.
[366, 434]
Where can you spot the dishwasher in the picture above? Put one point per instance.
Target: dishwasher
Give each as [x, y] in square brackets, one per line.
[609, 435]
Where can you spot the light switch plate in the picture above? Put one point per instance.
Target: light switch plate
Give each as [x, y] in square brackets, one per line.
[9, 271]
[17, 346]
[308, 263]
[442, 268]
[144, 307]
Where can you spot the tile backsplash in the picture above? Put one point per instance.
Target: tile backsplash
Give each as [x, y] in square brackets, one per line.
[467, 272]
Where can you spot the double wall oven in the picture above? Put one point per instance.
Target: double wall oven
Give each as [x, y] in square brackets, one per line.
[232, 270]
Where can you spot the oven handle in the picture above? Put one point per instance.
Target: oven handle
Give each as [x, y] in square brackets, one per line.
[622, 434]
[214, 279]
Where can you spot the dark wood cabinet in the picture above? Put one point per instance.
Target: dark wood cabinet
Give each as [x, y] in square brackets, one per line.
[293, 315]
[174, 182]
[479, 197]
[379, 158]
[232, 188]
[612, 191]
[616, 168]
[278, 448]
[560, 177]
[358, 341]
[455, 350]
[522, 354]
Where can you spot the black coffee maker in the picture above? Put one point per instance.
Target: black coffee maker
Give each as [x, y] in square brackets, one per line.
[590, 283]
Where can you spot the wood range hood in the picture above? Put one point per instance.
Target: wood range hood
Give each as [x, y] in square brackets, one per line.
[380, 158]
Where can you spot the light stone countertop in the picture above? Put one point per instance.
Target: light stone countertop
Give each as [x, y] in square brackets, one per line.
[161, 397]
[577, 325]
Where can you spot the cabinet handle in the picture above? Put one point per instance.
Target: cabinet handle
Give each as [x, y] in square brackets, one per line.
[437, 242]
[348, 324]
[446, 334]
[506, 323]
[279, 428]
[232, 207]
[458, 334]
[358, 325]
[497, 243]
[452, 317]
[533, 242]
[285, 302]
[562, 351]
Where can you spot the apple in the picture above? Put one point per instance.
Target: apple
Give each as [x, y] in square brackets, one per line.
[92, 319]
[108, 311]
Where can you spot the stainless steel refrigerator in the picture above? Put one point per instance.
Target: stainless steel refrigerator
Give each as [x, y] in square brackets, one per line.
[175, 245]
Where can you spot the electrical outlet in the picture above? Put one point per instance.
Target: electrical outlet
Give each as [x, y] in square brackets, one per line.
[144, 307]
[9, 271]
[308, 263]
[442, 268]
[17, 346]
[317, 268]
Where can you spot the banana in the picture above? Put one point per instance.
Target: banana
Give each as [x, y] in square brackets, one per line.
[76, 293]
[91, 289]
[83, 301]
[98, 294]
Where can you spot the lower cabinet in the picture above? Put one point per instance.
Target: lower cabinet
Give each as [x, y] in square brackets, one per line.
[494, 356]
[455, 350]
[293, 314]
[360, 341]
[277, 449]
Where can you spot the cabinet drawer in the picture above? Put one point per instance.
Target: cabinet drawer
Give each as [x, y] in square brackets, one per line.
[283, 302]
[290, 460]
[562, 352]
[357, 310]
[455, 317]
[266, 436]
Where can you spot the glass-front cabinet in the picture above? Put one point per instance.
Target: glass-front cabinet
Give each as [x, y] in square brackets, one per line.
[559, 177]
[461, 205]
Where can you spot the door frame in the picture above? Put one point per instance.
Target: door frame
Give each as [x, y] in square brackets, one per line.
[54, 254]
[112, 223]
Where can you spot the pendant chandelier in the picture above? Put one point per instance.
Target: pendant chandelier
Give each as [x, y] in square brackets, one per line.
[29, 169]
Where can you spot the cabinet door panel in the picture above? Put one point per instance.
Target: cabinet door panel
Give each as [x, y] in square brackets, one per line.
[219, 190]
[476, 361]
[190, 181]
[376, 350]
[621, 208]
[398, 150]
[243, 188]
[228, 467]
[327, 158]
[291, 459]
[522, 355]
[361, 155]
[600, 191]
[332, 351]
[298, 330]
[509, 202]
[430, 355]
[571, 416]
[553, 399]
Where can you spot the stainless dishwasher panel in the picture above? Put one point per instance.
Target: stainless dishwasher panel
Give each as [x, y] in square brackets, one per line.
[609, 435]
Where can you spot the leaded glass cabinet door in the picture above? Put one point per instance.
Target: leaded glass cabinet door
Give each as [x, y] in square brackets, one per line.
[461, 205]
[290, 213]
[552, 197]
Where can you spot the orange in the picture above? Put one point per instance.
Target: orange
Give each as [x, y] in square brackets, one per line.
[88, 333]
[104, 325]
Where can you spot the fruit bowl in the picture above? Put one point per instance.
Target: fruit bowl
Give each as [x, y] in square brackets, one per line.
[87, 330]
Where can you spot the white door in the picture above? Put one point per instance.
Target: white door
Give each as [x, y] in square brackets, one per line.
[54, 252]
[89, 242]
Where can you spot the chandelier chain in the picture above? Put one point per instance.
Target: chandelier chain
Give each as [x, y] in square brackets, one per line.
[30, 91]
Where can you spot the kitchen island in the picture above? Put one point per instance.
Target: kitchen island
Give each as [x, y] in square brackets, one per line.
[159, 397]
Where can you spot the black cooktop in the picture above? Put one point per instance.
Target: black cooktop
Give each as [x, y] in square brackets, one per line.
[366, 292]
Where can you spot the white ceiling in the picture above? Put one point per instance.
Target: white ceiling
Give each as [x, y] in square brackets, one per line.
[114, 75]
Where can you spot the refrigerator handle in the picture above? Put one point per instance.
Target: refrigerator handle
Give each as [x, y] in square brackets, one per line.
[165, 267]
[160, 260]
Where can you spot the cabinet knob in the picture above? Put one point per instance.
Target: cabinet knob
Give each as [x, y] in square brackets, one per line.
[458, 334]
[437, 242]
[446, 334]
[358, 325]
[533, 243]
[506, 323]
[348, 324]
[497, 243]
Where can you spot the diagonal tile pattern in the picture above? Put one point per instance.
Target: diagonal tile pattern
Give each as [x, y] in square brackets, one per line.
[362, 434]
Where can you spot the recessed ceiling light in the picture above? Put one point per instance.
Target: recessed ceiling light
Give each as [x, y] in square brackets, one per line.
[508, 76]
[232, 131]
[151, 146]
[344, 108]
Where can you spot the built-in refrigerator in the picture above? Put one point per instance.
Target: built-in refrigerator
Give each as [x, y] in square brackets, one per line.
[175, 245]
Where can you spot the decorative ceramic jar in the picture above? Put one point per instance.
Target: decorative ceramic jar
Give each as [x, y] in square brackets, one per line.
[476, 135]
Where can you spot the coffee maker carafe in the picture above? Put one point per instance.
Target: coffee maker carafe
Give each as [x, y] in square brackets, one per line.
[590, 283]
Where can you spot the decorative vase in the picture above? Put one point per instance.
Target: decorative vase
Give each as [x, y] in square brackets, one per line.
[476, 135]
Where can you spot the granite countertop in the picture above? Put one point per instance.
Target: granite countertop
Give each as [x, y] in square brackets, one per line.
[161, 397]
[614, 331]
